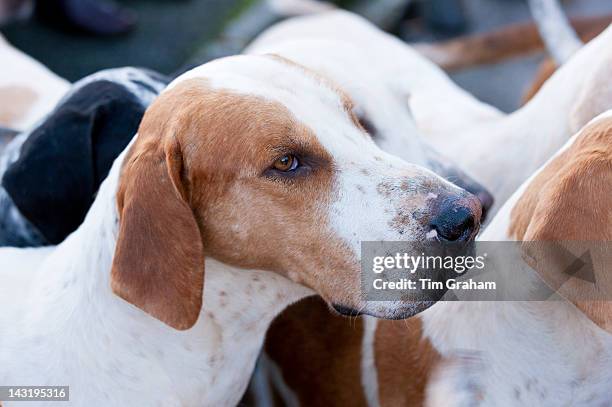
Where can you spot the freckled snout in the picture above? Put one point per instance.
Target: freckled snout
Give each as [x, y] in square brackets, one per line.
[457, 218]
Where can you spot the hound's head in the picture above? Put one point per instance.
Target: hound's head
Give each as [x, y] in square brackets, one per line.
[261, 164]
[569, 202]
[380, 104]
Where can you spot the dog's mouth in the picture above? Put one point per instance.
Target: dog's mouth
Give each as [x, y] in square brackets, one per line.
[346, 311]
[385, 310]
[411, 309]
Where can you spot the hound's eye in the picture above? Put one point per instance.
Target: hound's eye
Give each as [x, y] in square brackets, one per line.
[286, 163]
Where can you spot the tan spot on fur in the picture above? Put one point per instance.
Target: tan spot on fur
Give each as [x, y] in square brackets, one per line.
[327, 368]
[405, 361]
[326, 371]
[385, 189]
[571, 169]
[196, 177]
[15, 102]
[569, 200]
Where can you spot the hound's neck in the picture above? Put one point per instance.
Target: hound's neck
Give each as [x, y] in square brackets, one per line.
[544, 352]
[93, 331]
[536, 347]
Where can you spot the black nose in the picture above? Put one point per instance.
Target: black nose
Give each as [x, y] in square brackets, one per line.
[458, 220]
[484, 196]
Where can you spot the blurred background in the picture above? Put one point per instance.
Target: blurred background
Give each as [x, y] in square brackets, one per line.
[77, 37]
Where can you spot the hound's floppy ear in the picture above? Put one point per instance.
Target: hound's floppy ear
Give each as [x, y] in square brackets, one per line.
[569, 212]
[159, 258]
[62, 163]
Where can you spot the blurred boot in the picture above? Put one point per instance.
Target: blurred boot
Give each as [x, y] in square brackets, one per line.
[98, 17]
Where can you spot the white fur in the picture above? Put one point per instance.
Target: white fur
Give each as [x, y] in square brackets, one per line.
[361, 165]
[369, 374]
[503, 153]
[342, 61]
[66, 327]
[21, 71]
[391, 63]
[383, 76]
[533, 353]
[398, 87]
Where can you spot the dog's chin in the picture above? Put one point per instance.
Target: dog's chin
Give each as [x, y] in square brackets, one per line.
[385, 309]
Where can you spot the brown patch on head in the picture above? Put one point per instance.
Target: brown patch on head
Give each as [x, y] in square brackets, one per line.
[198, 181]
[405, 361]
[569, 201]
[16, 101]
[571, 183]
